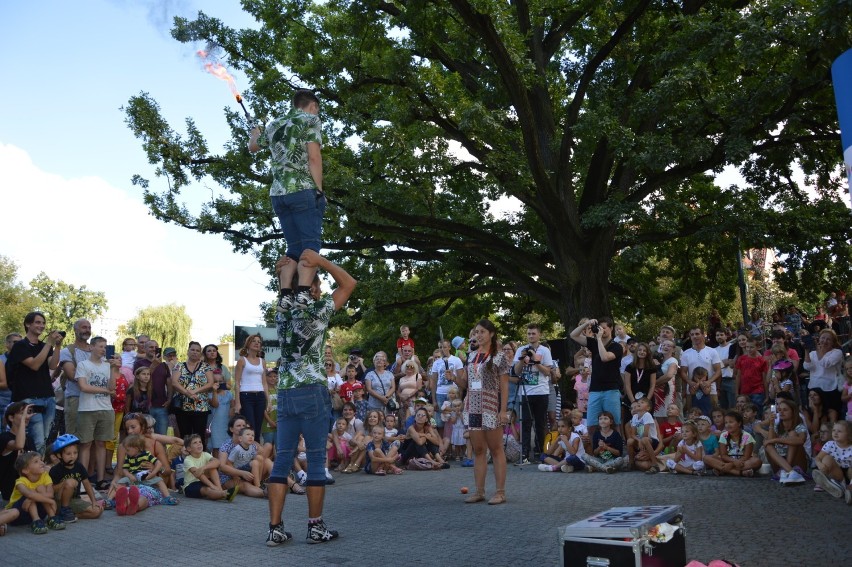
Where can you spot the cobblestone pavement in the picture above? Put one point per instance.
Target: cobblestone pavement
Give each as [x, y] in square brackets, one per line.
[418, 518]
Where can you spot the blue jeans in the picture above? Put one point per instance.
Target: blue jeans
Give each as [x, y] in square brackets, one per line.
[301, 216]
[441, 398]
[5, 400]
[303, 410]
[252, 406]
[161, 417]
[514, 400]
[758, 399]
[40, 423]
[610, 401]
[728, 393]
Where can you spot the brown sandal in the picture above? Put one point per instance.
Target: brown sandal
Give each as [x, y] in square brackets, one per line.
[498, 498]
[475, 497]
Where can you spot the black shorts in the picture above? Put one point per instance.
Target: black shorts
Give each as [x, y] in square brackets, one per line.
[193, 490]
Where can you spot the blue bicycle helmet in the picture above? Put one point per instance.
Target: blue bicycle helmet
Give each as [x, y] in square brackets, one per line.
[63, 441]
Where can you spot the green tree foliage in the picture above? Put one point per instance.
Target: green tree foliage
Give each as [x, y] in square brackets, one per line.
[15, 300]
[169, 325]
[63, 303]
[596, 126]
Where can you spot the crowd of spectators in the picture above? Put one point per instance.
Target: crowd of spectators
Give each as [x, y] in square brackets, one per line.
[84, 430]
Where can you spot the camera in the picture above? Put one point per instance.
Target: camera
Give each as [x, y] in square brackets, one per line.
[595, 328]
[528, 352]
[62, 333]
[37, 409]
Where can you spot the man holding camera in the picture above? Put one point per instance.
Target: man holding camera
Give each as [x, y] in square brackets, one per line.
[605, 386]
[533, 364]
[28, 370]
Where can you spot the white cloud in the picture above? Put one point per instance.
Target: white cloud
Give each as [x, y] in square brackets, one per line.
[88, 232]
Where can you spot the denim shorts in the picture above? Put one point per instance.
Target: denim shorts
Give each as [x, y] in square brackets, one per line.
[609, 400]
[301, 216]
[303, 410]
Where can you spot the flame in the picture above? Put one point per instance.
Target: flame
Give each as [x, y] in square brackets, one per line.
[219, 71]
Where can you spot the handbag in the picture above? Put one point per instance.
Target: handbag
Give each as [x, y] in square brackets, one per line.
[392, 405]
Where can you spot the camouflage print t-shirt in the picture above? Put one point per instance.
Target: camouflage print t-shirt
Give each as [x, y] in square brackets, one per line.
[301, 334]
[287, 138]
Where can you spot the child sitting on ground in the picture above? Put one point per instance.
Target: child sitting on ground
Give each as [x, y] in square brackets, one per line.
[717, 422]
[687, 459]
[670, 429]
[706, 436]
[607, 447]
[134, 471]
[176, 455]
[644, 444]
[566, 452]
[68, 475]
[338, 445]
[381, 455]
[834, 462]
[736, 450]
[581, 429]
[33, 496]
[693, 414]
[201, 474]
[244, 456]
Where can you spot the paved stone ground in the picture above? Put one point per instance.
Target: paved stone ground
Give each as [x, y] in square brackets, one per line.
[418, 518]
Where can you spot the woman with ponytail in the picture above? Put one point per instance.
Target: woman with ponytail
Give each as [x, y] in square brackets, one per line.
[486, 379]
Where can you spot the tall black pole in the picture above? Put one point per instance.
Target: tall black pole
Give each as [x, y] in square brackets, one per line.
[742, 282]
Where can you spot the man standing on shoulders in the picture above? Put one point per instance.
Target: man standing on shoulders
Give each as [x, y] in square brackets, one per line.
[700, 355]
[69, 358]
[442, 376]
[533, 364]
[294, 141]
[605, 385]
[303, 400]
[28, 368]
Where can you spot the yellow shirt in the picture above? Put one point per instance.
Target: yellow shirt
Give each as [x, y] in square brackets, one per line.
[190, 462]
[43, 480]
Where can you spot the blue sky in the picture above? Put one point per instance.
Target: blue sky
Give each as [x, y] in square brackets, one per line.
[67, 156]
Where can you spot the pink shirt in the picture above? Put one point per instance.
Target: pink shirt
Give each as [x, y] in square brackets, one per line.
[582, 389]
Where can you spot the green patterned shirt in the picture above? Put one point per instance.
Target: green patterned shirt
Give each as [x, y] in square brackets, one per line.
[301, 334]
[287, 138]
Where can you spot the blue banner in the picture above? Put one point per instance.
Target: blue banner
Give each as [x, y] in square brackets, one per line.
[841, 74]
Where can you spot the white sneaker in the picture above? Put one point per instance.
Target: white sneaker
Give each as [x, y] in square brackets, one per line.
[545, 468]
[794, 478]
[828, 484]
[566, 468]
[670, 464]
[302, 477]
[783, 477]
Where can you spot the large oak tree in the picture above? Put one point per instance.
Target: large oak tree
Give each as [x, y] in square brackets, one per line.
[547, 154]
